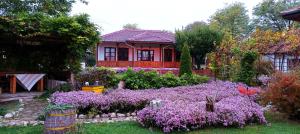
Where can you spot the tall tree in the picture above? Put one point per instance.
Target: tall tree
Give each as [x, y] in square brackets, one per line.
[267, 14]
[51, 7]
[185, 61]
[233, 19]
[201, 39]
[130, 26]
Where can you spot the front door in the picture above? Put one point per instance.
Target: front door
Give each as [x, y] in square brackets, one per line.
[122, 54]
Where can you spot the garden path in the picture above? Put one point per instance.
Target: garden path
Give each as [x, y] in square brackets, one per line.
[32, 109]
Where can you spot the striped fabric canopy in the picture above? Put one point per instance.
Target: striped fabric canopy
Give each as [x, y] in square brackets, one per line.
[27, 81]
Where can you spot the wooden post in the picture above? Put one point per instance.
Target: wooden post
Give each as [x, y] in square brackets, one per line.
[13, 84]
[160, 56]
[133, 55]
[117, 51]
[40, 86]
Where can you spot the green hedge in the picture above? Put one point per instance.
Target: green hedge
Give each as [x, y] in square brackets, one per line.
[152, 79]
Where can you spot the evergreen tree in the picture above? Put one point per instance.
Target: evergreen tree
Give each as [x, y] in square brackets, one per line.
[185, 61]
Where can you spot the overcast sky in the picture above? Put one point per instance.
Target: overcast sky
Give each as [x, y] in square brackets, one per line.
[111, 15]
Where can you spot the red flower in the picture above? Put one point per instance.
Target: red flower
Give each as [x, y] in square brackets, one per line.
[246, 91]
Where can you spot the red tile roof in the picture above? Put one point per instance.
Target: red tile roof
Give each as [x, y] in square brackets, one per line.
[132, 35]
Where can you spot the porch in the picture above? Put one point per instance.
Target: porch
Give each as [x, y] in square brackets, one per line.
[143, 64]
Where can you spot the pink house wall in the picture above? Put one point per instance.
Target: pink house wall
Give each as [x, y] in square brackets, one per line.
[155, 47]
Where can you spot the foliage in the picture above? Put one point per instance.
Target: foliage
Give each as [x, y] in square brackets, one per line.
[283, 92]
[201, 40]
[131, 26]
[267, 14]
[51, 7]
[169, 80]
[181, 105]
[247, 71]
[61, 88]
[193, 79]
[105, 76]
[232, 19]
[263, 67]
[51, 107]
[73, 35]
[3, 111]
[185, 61]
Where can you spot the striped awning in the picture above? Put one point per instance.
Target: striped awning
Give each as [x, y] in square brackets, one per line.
[27, 81]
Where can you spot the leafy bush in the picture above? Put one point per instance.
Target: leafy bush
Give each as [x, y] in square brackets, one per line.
[247, 71]
[185, 61]
[151, 79]
[193, 79]
[283, 92]
[263, 67]
[3, 111]
[105, 76]
[169, 80]
[61, 88]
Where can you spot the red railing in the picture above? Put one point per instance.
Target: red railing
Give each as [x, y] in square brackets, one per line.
[144, 64]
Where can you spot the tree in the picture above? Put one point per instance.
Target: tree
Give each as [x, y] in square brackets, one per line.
[233, 19]
[185, 61]
[267, 14]
[201, 39]
[130, 26]
[50, 7]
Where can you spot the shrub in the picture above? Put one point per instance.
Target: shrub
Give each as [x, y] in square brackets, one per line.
[185, 61]
[263, 67]
[247, 71]
[169, 80]
[140, 79]
[61, 88]
[105, 76]
[193, 79]
[3, 111]
[151, 79]
[283, 92]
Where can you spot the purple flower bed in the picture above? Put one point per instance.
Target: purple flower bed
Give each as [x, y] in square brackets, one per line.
[183, 107]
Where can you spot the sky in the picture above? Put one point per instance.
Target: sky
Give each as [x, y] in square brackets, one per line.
[169, 15]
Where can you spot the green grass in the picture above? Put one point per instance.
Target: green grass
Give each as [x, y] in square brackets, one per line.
[278, 126]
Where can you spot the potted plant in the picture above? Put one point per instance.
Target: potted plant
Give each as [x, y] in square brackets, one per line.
[59, 119]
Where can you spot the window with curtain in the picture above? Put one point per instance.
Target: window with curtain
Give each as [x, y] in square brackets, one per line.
[110, 54]
[145, 55]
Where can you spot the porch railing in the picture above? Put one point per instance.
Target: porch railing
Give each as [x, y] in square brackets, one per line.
[144, 64]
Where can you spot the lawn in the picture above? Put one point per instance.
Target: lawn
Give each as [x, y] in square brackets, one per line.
[278, 126]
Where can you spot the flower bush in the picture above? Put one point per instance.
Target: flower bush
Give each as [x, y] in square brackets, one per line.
[183, 108]
[283, 92]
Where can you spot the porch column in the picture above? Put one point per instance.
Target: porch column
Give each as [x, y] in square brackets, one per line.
[160, 55]
[133, 55]
[97, 54]
[173, 58]
[117, 64]
[13, 84]
[40, 85]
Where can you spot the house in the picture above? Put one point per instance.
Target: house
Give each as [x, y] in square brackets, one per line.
[137, 48]
[284, 56]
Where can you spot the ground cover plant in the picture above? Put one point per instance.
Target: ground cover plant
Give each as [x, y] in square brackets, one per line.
[183, 108]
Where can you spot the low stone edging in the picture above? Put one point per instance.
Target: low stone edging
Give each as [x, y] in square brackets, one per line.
[105, 118]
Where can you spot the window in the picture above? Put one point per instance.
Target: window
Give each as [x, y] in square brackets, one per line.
[145, 55]
[110, 54]
[168, 55]
[123, 54]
